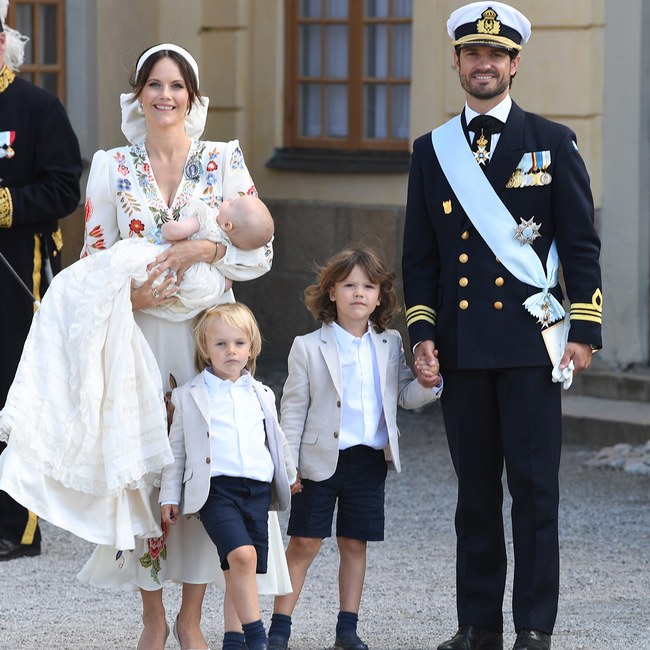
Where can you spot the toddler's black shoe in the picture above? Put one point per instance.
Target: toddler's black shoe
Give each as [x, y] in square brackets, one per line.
[352, 642]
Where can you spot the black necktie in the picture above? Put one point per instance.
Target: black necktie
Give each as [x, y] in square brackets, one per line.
[483, 126]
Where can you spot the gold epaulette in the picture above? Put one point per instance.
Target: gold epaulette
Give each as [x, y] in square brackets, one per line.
[6, 77]
[592, 311]
[6, 208]
[420, 312]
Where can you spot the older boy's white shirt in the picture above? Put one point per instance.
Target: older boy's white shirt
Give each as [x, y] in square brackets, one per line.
[237, 433]
[362, 413]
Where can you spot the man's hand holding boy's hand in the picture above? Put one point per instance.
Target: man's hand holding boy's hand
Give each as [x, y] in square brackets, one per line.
[427, 367]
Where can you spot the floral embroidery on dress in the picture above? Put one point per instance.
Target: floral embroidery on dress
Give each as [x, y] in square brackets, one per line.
[127, 200]
[211, 178]
[136, 227]
[88, 210]
[157, 550]
[159, 210]
[237, 159]
[97, 233]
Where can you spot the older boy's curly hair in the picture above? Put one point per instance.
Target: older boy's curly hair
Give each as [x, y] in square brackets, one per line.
[317, 298]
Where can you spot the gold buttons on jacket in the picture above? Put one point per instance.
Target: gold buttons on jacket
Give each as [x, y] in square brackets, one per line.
[464, 234]
[463, 304]
[463, 258]
[498, 305]
[499, 281]
[463, 282]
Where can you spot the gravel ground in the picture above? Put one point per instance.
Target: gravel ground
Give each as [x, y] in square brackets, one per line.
[408, 602]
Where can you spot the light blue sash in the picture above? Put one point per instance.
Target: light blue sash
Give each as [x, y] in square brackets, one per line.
[494, 222]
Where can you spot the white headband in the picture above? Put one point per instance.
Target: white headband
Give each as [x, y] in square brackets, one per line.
[134, 125]
[174, 48]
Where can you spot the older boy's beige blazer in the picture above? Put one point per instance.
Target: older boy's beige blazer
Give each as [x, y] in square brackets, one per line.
[187, 480]
[310, 410]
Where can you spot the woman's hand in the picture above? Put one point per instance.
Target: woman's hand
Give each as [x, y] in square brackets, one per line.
[182, 254]
[155, 292]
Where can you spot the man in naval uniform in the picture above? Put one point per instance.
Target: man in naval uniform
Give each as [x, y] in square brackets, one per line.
[40, 167]
[497, 199]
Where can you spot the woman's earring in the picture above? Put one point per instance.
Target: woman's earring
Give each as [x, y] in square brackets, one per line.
[140, 108]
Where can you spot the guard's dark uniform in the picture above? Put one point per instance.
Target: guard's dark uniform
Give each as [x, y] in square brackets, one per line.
[499, 402]
[40, 167]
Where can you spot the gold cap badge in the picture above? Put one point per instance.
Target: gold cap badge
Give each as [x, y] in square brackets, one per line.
[488, 23]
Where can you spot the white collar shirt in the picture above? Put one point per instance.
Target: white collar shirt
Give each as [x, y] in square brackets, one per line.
[362, 413]
[237, 432]
[500, 111]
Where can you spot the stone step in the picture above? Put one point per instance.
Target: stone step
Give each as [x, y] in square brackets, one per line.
[629, 385]
[599, 422]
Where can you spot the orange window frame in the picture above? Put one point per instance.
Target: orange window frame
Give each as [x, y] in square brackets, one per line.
[33, 69]
[355, 81]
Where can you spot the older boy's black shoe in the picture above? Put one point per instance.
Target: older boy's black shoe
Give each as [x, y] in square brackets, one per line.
[532, 640]
[472, 637]
[10, 550]
[352, 642]
[277, 642]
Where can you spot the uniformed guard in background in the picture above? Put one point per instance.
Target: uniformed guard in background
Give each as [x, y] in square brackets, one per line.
[498, 198]
[40, 167]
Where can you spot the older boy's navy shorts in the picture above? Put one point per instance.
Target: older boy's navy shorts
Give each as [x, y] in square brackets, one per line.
[236, 514]
[357, 487]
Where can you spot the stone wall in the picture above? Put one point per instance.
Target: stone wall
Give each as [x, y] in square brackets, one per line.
[307, 234]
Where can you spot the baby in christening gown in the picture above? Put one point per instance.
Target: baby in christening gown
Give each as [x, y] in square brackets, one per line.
[84, 421]
[243, 222]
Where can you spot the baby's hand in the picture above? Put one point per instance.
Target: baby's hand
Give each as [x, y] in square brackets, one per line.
[169, 513]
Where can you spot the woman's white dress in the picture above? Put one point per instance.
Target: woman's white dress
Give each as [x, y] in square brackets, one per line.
[123, 202]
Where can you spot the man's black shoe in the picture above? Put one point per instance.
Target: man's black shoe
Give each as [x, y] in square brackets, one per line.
[471, 637]
[10, 550]
[532, 640]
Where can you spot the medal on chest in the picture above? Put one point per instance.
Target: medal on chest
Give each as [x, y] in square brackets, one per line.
[527, 231]
[6, 140]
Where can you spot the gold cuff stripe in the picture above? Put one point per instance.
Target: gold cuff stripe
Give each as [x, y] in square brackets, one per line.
[589, 317]
[6, 208]
[587, 306]
[590, 311]
[420, 312]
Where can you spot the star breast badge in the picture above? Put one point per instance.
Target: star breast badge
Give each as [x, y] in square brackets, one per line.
[527, 231]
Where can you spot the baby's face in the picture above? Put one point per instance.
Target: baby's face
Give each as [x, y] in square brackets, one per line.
[229, 212]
